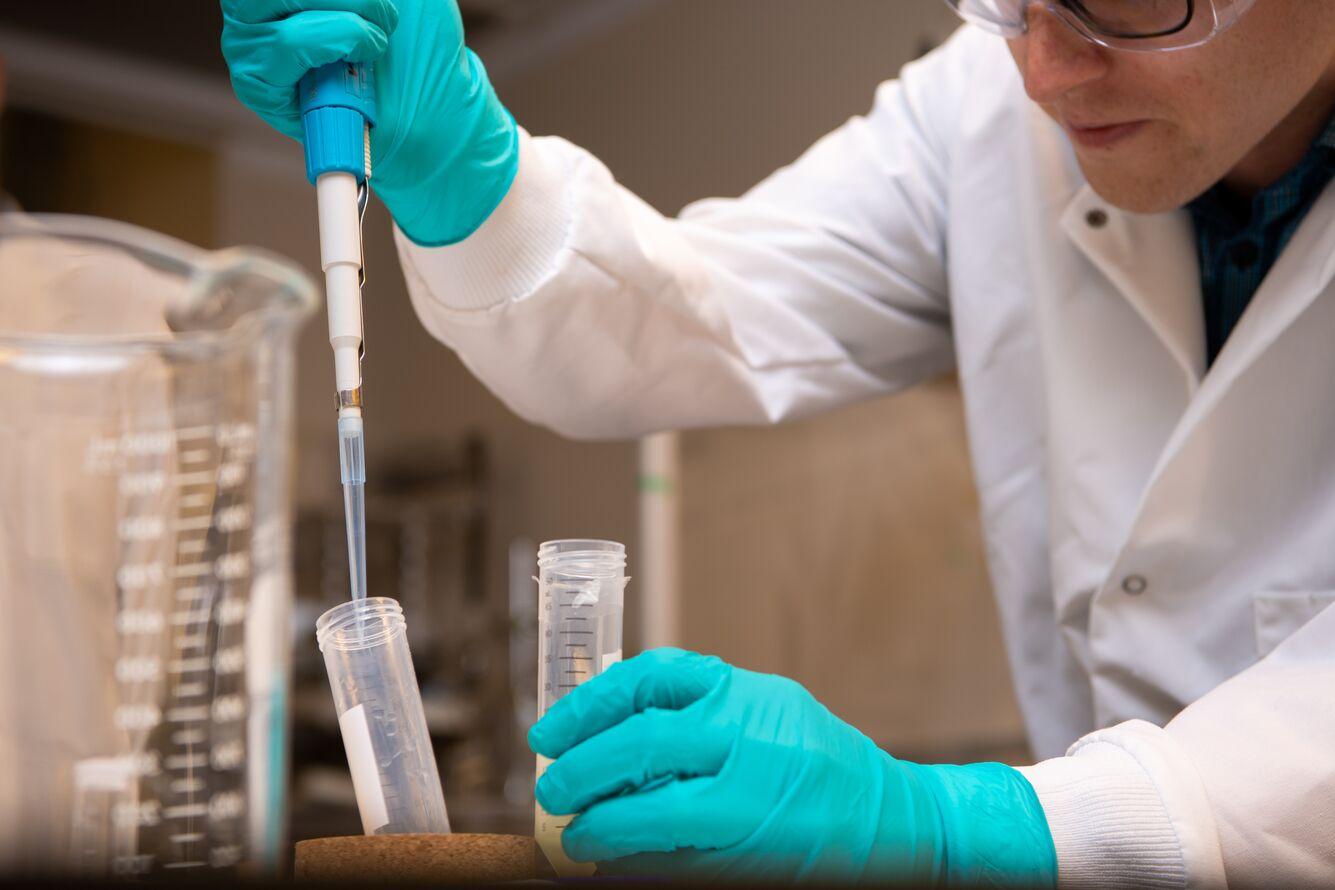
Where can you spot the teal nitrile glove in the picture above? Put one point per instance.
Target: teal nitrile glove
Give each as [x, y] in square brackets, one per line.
[682, 765]
[444, 150]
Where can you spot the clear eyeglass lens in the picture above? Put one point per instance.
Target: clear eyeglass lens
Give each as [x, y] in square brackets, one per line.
[1114, 18]
[1134, 18]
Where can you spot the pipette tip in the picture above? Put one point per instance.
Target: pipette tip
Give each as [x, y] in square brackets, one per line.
[352, 466]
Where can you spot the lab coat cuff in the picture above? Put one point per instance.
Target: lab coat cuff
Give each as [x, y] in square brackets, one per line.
[513, 252]
[1126, 809]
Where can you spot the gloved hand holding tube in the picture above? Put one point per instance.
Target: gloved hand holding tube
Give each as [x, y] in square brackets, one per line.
[444, 149]
[682, 765]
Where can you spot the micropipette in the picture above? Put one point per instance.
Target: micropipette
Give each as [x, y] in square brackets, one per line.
[338, 112]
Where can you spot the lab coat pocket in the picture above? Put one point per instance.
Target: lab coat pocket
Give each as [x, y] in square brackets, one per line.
[1280, 613]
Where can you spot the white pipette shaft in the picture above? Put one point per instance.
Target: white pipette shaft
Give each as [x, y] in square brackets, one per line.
[341, 258]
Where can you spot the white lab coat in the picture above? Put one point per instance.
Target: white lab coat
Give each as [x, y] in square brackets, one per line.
[1161, 541]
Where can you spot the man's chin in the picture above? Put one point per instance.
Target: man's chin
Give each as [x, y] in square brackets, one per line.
[1141, 193]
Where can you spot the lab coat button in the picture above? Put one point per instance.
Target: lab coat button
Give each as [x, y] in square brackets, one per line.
[1134, 585]
[1096, 218]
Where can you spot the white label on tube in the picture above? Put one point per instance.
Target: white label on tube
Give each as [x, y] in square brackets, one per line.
[365, 774]
[610, 659]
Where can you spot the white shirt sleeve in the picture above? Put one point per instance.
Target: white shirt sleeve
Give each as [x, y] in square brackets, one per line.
[585, 309]
[1238, 789]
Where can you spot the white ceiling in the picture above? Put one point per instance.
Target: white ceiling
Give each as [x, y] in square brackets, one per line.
[515, 35]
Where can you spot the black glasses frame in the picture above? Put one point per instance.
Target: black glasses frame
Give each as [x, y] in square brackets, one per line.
[1091, 21]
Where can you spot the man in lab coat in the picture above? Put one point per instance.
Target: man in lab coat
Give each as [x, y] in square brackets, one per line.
[1112, 219]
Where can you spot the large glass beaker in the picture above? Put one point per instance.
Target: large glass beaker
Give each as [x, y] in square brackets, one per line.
[146, 391]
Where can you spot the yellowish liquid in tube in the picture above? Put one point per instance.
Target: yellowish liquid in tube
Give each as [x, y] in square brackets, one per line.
[547, 830]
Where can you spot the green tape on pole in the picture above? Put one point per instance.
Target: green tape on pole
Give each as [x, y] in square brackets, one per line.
[655, 484]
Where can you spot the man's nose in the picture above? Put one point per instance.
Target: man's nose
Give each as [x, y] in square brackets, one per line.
[1055, 58]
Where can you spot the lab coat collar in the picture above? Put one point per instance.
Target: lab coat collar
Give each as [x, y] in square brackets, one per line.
[1151, 261]
[1148, 259]
[1302, 273]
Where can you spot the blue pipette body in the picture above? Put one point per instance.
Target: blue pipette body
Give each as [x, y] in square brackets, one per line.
[337, 107]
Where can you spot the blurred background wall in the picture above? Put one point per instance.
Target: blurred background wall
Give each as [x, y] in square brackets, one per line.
[842, 551]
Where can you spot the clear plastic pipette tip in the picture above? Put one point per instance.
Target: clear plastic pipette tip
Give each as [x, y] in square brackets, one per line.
[352, 465]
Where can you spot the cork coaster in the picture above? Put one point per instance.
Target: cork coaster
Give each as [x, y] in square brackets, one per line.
[433, 858]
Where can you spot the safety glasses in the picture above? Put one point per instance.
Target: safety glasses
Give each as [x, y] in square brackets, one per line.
[1138, 25]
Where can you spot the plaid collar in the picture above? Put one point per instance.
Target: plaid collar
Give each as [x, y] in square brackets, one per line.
[1224, 211]
[1239, 240]
[1327, 139]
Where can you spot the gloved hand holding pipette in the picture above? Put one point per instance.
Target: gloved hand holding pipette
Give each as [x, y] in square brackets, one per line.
[683, 765]
[444, 149]
[398, 78]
